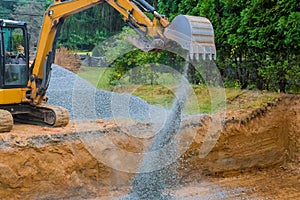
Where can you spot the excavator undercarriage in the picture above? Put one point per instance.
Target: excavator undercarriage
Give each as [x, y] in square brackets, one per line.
[43, 114]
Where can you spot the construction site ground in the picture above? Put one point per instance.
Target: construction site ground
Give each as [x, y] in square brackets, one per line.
[257, 156]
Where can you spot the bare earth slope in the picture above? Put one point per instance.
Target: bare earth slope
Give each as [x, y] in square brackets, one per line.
[257, 156]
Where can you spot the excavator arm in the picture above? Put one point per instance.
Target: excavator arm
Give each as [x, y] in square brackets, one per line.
[53, 21]
[194, 34]
[27, 103]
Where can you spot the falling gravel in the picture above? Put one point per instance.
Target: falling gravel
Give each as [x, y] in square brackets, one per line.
[85, 102]
[153, 176]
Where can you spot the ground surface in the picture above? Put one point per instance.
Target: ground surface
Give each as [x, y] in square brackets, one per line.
[256, 156]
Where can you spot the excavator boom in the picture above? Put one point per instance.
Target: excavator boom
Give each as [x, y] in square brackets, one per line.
[23, 87]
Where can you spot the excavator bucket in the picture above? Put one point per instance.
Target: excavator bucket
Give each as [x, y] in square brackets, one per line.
[194, 34]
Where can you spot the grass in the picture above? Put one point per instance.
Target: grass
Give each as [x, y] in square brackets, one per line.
[98, 76]
[204, 100]
[82, 52]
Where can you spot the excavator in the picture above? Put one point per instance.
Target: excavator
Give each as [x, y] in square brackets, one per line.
[23, 84]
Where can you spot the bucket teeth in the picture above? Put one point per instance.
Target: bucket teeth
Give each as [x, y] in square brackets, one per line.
[194, 34]
[197, 56]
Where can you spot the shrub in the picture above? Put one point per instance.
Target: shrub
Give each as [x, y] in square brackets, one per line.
[67, 59]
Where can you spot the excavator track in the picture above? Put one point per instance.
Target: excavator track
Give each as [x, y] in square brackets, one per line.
[6, 121]
[55, 116]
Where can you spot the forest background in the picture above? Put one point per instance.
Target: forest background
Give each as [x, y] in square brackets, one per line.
[258, 41]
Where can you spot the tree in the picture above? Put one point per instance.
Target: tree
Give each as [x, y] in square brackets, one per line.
[257, 41]
[272, 42]
[32, 14]
[6, 8]
[169, 7]
[88, 28]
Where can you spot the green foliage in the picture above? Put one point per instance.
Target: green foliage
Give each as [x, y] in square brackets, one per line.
[139, 65]
[88, 28]
[34, 21]
[169, 7]
[30, 12]
[144, 66]
[139, 62]
[280, 76]
[82, 31]
[6, 9]
[257, 41]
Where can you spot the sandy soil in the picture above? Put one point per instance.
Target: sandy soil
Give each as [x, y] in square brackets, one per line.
[256, 156]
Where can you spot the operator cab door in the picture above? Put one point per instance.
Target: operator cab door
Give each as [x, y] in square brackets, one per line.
[14, 55]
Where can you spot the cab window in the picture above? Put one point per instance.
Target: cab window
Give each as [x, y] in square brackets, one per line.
[15, 70]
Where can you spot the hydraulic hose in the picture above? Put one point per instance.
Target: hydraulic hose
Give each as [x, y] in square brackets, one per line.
[146, 5]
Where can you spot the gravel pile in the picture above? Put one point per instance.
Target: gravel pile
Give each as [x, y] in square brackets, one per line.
[85, 102]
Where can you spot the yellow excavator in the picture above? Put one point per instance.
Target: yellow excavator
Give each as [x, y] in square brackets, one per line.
[23, 85]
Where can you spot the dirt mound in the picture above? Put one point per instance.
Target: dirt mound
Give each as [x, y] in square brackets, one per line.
[251, 139]
[257, 155]
[67, 59]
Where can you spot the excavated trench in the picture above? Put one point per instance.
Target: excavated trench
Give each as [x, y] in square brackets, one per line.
[257, 155]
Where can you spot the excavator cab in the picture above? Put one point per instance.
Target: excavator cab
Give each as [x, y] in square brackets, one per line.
[14, 54]
[15, 78]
